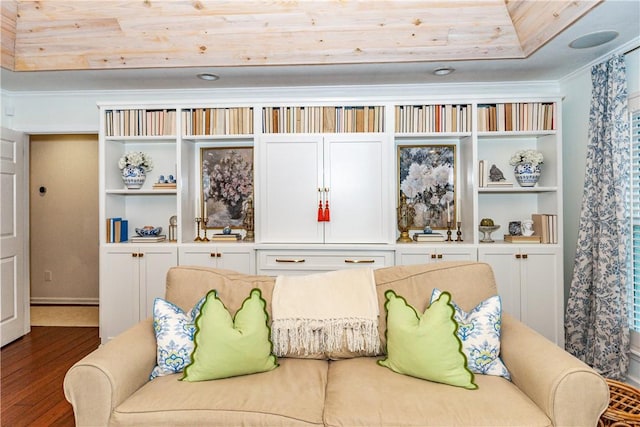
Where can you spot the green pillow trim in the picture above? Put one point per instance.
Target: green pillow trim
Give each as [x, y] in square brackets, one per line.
[427, 346]
[227, 347]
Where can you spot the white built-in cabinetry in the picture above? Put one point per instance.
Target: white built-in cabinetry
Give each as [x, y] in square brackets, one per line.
[310, 153]
[350, 172]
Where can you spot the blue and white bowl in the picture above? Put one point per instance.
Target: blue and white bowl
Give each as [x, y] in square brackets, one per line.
[148, 231]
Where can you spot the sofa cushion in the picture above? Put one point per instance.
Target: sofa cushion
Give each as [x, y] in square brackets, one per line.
[174, 331]
[359, 393]
[292, 395]
[227, 347]
[425, 346]
[479, 331]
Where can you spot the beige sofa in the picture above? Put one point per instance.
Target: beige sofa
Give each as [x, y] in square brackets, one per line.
[549, 387]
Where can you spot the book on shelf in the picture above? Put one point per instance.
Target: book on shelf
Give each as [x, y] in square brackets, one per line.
[221, 237]
[428, 237]
[164, 185]
[482, 174]
[499, 184]
[521, 239]
[148, 239]
[117, 230]
[546, 226]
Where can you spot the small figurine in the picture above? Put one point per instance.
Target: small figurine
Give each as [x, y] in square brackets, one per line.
[495, 174]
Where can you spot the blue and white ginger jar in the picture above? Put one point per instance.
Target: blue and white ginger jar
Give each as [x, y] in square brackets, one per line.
[526, 174]
[133, 177]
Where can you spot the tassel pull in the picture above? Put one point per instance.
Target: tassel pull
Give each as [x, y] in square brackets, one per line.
[320, 212]
[327, 214]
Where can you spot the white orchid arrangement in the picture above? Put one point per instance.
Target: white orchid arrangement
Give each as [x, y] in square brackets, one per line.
[533, 157]
[136, 158]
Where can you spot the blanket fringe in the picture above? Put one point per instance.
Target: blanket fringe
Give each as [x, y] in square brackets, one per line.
[306, 336]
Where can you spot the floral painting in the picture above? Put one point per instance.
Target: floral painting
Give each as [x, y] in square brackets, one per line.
[227, 184]
[427, 179]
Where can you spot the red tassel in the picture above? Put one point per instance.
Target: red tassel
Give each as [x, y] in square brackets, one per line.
[327, 214]
[320, 212]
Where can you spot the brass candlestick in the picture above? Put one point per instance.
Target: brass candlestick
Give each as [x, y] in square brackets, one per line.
[459, 232]
[198, 239]
[205, 221]
[449, 239]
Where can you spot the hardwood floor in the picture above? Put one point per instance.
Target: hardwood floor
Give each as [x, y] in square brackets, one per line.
[33, 368]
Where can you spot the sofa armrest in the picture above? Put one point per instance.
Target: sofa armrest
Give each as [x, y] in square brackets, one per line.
[102, 380]
[567, 390]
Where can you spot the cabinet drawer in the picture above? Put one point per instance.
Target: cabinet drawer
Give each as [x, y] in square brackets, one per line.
[272, 262]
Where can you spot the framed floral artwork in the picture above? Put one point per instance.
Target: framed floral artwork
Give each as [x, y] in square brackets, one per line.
[426, 176]
[227, 185]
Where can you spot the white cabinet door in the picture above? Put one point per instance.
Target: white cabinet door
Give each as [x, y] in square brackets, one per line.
[543, 292]
[287, 189]
[131, 277]
[119, 290]
[426, 254]
[154, 261]
[506, 269]
[357, 176]
[529, 280]
[234, 257]
[351, 172]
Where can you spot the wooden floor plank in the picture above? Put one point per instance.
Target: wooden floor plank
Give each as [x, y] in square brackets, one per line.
[32, 372]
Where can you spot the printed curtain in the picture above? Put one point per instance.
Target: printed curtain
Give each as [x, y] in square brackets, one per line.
[596, 324]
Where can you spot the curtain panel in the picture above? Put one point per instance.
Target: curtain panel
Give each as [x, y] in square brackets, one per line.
[596, 324]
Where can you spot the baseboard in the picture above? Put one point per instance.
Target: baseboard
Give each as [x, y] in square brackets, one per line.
[63, 301]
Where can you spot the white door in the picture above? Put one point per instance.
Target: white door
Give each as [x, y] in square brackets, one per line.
[14, 287]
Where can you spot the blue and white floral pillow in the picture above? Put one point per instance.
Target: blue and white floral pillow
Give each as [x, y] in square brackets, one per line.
[479, 331]
[174, 331]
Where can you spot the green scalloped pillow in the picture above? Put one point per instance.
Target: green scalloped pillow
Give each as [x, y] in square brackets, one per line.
[228, 347]
[426, 346]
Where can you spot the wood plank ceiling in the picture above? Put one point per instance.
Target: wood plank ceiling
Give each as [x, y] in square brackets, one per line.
[109, 34]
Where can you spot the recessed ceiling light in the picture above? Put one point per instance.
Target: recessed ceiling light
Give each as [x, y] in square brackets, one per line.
[443, 71]
[208, 76]
[593, 39]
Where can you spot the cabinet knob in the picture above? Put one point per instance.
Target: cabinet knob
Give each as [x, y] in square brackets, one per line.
[433, 256]
[213, 254]
[525, 256]
[518, 256]
[439, 256]
[135, 255]
[140, 255]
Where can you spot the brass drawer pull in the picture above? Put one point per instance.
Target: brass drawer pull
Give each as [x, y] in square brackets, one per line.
[359, 261]
[297, 261]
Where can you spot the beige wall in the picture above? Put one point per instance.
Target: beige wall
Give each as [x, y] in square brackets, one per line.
[64, 221]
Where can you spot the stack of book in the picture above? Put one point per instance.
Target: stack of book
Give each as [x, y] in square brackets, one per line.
[117, 230]
[221, 237]
[428, 237]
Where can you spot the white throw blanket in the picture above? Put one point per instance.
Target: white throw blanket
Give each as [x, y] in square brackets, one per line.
[321, 312]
